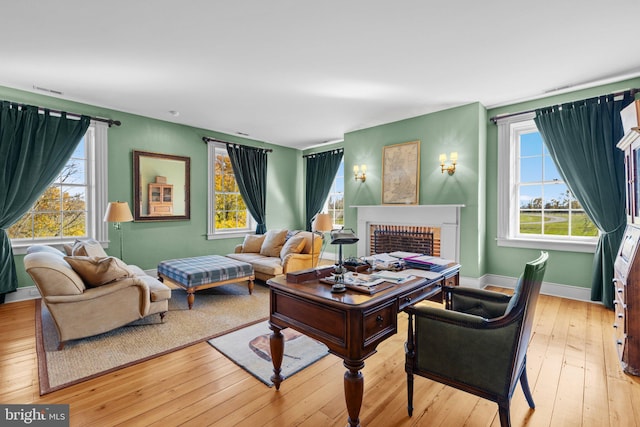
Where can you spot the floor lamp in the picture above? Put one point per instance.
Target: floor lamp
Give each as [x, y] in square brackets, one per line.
[322, 223]
[118, 212]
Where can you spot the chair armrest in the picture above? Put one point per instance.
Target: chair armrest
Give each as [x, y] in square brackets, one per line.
[238, 249]
[100, 291]
[478, 293]
[448, 316]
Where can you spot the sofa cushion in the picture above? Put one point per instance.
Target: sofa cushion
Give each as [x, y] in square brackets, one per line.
[293, 245]
[253, 243]
[88, 247]
[273, 242]
[96, 271]
[261, 264]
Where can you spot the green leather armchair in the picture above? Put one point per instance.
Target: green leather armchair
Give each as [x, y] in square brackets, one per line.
[479, 342]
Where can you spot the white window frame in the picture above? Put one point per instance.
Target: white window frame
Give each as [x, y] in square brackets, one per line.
[325, 208]
[509, 129]
[96, 143]
[212, 233]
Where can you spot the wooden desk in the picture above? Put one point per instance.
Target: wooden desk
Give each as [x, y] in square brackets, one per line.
[351, 324]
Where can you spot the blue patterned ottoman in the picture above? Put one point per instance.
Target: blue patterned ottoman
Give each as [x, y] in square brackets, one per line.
[203, 272]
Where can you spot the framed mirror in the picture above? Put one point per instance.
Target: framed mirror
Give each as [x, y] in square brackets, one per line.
[161, 187]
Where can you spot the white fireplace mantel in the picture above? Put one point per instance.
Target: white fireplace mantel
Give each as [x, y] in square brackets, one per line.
[447, 217]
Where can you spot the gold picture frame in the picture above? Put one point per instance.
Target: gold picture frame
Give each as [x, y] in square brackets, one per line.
[401, 173]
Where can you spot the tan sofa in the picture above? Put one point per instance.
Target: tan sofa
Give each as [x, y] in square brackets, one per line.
[279, 252]
[80, 309]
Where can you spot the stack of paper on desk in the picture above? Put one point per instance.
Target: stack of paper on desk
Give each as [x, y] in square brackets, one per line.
[393, 276]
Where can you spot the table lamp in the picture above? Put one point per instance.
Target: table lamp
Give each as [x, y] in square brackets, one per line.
[322, 223]
[341, 237]
[118, 212]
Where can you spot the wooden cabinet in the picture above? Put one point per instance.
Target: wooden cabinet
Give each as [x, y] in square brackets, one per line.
[627, 265]
[630, 144]
[160, 198]
[627, 301]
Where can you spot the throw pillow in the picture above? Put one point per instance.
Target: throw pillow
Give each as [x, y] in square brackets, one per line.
[88, 247]
[294, 245]
[273, 242]
[96, 271]
[252, 243]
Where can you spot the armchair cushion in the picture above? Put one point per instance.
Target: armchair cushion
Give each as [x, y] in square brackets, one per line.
[294, 245]
[88, 247]
[480, 302]
[252, 243]
[96, 271]
[273, 242]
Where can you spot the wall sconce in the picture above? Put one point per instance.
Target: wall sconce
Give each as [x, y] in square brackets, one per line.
[451, 169]
[360, 172]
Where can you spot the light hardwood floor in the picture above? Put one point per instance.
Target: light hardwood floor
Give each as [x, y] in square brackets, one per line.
[574, 374]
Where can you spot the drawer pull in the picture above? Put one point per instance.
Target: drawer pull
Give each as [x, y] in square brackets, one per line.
[615, 326]
[379, 318]
[619, 290]
[619, 342]
[407, 299]
[620, 315]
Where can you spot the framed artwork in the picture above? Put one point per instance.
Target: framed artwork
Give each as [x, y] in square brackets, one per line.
[401, 173]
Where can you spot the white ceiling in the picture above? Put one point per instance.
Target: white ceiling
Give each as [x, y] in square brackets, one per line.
[298, 73]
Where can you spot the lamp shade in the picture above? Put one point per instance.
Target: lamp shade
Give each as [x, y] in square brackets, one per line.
[118, 212]
[322, 222]
[343, 237]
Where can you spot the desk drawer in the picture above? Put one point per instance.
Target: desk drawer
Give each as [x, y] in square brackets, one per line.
[418, 295]
[380, 323]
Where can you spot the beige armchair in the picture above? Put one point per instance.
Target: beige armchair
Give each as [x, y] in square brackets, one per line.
[79, 310]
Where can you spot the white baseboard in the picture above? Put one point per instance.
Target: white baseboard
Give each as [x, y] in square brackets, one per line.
[548, 288]
[22, 294]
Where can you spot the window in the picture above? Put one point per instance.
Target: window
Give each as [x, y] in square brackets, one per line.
[228, 213]
[335, 201]
[73, 205]
[536, 207]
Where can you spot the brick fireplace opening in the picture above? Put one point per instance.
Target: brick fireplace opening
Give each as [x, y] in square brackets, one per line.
[407, 238]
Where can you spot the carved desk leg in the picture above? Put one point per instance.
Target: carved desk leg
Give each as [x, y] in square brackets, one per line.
[353, 390]
[276, 343]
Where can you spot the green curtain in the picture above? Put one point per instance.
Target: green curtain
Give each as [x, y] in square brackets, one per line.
[321, 171]
[581, 138]
[34, 148]
[250, 169]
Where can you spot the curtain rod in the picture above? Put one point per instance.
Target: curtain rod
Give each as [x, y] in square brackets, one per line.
[328, 151]
[207, 139]
[110, 122]
[494, 119]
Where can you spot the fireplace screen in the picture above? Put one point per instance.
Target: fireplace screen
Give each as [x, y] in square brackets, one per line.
[407, 239]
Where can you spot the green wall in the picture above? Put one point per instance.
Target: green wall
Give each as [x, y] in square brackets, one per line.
[568, 268]
[147, 243]
[458, 129]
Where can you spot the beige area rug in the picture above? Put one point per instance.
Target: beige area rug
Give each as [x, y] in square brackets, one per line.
[216, 311]
[249, 348]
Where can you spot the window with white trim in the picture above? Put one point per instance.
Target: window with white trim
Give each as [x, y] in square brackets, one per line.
[536, 209]
[228, 215]
[335, 201]
[73, 205]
